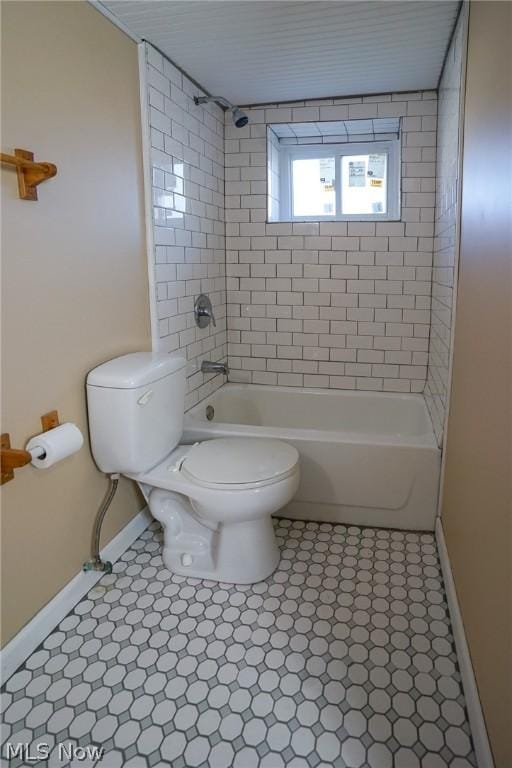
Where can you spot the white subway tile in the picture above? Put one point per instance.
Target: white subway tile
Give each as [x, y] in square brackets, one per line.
[288, 282]
[362, 111]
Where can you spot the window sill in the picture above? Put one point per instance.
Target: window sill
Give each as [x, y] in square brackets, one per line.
[330, 219]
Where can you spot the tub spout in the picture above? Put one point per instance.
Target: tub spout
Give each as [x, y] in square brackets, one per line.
[208, 367]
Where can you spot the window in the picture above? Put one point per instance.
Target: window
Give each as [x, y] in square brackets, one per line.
[347, 181]
[364, 184]
[313, 186]
[337, 170]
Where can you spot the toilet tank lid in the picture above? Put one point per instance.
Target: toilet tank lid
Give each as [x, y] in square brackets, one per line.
[134, 370]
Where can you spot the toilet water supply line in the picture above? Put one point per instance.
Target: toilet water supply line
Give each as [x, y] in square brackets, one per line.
[96, 563]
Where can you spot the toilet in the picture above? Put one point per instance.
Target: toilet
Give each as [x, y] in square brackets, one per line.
[215, 498]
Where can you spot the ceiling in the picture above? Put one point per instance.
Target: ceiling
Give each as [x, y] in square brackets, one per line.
[264, 51]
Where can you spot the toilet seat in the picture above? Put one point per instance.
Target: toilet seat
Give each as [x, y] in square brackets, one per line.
[238, 463]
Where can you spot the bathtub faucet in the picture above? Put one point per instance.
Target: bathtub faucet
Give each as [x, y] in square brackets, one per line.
[208, 367]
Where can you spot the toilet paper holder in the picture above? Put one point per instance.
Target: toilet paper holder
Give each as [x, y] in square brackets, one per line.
[14, 458]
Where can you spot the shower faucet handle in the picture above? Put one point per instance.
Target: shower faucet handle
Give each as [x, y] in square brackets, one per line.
[203, 311]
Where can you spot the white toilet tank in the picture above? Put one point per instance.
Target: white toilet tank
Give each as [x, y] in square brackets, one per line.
[136, 405]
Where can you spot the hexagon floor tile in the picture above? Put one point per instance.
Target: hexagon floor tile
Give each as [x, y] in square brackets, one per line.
[343, 657]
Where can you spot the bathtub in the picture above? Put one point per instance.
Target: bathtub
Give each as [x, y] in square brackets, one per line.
[366, 458]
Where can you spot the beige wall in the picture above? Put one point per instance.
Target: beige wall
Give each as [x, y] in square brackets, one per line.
[477, 504]
[74, 276]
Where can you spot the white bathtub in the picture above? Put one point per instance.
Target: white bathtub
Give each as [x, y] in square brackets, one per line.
[366, 458]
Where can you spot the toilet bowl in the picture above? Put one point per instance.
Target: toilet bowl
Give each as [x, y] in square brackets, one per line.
[214, 499]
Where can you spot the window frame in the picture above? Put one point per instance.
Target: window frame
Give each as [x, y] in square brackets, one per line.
[290, 152]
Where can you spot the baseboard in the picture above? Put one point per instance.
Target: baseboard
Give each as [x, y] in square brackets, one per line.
[476, 718]
[33, 633]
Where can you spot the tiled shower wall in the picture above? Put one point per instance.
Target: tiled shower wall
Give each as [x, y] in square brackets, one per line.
[331, 304]
[187, 166]
[445, 245]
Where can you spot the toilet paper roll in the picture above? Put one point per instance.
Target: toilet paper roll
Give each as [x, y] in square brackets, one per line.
[57, 444]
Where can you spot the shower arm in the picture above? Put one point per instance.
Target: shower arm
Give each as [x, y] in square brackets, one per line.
[219, 99]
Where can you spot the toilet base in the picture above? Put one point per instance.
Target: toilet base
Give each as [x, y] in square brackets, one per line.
[235, 553]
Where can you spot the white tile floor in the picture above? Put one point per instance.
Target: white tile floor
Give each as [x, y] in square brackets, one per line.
[343, 657]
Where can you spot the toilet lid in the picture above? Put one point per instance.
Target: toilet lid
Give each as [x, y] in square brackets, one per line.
[239, 460]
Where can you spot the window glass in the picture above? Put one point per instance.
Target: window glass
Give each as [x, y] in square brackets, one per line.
[313, 186]
[364, 184]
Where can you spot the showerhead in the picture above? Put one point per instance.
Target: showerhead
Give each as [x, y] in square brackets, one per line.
[239, 118]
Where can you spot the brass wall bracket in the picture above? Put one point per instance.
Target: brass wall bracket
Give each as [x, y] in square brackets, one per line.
[14, 458]
[50, 420]
[11, 458]
[30, 174]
